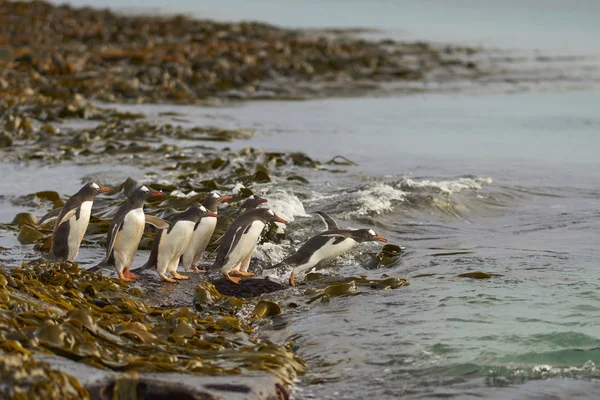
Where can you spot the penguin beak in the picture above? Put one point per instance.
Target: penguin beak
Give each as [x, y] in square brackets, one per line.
[104, 189]
[226, 198]
[381, 239]
[260, 201]
[292, 280]
[212, 214]
[279, 219]
[156, 193]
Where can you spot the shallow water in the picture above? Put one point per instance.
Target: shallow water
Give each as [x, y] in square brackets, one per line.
[508, 184]
[500, 183]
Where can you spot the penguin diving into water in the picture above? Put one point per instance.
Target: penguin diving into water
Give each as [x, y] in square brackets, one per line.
[326, 246]
[203, 231]
[125, 232]
[72, 222]
[169, 244]
[239, 241]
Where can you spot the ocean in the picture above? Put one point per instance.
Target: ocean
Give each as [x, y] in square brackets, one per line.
[504, 183]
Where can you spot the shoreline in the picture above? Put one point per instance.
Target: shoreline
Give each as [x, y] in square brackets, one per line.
[50, 90]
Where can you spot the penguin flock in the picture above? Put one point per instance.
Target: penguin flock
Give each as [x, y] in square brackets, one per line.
[182, 238]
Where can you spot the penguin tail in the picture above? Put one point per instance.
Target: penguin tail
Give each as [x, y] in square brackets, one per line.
[98, 266]
[280, 265]
[144, 267]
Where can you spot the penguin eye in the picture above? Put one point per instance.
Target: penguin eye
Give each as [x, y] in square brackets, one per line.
[251, 197]
[216, 195]
[271, 213]
[96, 187]
[145, 189]
[372, 232]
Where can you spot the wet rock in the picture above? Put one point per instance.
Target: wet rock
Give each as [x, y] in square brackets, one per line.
[248, 287]
[5, 140]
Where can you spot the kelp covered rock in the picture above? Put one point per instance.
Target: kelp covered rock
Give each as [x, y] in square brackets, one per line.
[22, 377]
[62, 310]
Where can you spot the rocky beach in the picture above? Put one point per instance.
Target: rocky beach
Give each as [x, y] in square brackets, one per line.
[74, 84]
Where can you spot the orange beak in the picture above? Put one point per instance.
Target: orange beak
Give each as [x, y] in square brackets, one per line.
[279, 219]
[104, 189]
[226, 198]
[212, 214]
[260, 201]
[381, 239]
[158, 194]
[292, 280]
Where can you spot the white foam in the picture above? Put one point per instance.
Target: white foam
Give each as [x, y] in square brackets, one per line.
[182, 194]
[375, 200]
[237, 188]
[286, 205]
[446, 187]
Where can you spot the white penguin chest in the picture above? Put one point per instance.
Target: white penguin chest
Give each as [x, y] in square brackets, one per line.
[247, 241]
[77, 227]
[178, 237]
[132, 229]
[204, 231]
[331, 250]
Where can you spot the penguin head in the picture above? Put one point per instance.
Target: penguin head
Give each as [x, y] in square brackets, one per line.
[213, 199]
[204, 212]
[91, 190]
[367, 235]
[142, 193]
[267, 215]
[252, 202]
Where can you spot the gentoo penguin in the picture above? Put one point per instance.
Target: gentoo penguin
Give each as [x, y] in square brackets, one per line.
[72, 222]
[326, 246]
[125, 232]
[240, 240]
[251, 203]
[202, 233]
[169, 244]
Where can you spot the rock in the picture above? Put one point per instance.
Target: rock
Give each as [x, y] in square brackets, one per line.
[5, 140]
[249, 386]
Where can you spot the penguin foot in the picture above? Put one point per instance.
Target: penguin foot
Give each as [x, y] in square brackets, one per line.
[242, 274]
[232, 279]
[130, 274]
[197, 270]
[167, 279]
[124, 277]
[292, 279]
[175, 275]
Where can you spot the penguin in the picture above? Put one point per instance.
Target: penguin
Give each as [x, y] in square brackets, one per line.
[202, 233]
[239, 242]
[251, 203]
[125, 232]
[169, 244]
[72, 222]
[326, 246]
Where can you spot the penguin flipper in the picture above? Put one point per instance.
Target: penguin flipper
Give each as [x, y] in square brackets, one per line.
[330, 222]
[110, 239]
[51, 215]
[157, 222]
[223, 254]
[66, 216]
